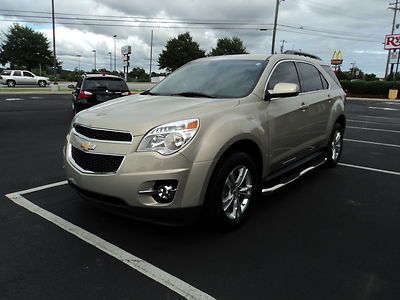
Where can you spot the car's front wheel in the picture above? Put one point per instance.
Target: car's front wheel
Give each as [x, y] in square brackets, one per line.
[335, 146]
[233, 188]
[42, 83]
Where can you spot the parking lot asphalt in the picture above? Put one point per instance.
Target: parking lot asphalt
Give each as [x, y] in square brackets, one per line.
[333, 234]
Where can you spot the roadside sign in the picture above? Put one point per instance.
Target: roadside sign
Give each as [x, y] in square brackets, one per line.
[337, 58]
[394, 56]
[392, 41]
[125, 50]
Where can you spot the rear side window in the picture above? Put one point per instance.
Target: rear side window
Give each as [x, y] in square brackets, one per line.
[104, 83]
[331, 74]
[310, 77]
[285, 72]
[6, 72]
[17, 73]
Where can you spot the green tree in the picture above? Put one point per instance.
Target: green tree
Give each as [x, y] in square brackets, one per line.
[138, 74]
[229, 46]
[179, 51]
[25, 48]
[370, 77]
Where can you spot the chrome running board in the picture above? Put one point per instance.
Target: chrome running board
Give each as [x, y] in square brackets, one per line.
[282, 184]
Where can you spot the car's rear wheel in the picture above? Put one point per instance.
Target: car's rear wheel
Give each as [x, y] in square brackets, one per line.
[10, 83]
[42, 83]
[335, 146]
[233, 188]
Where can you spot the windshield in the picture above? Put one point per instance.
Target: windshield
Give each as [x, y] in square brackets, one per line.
[104, 83]
[212, 78]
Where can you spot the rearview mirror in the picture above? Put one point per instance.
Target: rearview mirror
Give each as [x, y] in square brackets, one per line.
[71, 86]
[282, 90]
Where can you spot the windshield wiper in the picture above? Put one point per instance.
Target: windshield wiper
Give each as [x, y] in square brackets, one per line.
[193, 94]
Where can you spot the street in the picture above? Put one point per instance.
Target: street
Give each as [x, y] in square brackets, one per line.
[332, 234]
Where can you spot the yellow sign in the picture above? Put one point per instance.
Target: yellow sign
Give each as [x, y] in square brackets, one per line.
[337, 58]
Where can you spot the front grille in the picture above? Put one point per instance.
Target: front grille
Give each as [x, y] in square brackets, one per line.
[98, 163]
[103, 135]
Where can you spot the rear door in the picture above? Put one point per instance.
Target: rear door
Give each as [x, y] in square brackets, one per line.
[315, 89]
[287, 120]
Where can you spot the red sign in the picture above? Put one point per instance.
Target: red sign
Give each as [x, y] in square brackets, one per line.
[392, 41]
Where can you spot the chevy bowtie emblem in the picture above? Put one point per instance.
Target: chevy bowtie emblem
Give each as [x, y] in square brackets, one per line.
[88, 146]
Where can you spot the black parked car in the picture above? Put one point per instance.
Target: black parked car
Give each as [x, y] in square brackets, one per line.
[92, 89]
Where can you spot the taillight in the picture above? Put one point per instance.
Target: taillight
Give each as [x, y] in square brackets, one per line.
[85, 95]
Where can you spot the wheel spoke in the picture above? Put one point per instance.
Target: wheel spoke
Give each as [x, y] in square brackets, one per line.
[227, 202]
[242, 176]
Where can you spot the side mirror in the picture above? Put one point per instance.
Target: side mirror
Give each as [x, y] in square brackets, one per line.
[71, 86]
[282, 90]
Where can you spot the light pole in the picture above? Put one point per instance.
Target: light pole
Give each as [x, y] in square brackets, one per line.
[115, 52]
[79, 62]
[151, 52]
[275, 24]
[94, 59]
[109, 54]
[54, 43]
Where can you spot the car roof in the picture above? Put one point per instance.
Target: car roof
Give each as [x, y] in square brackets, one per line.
[274, 57]
[101, 76]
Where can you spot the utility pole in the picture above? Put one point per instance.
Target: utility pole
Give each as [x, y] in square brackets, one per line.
[275, 24]
[151, 52]
[395, 9]
[109, 54]
[115, 52]
[283, 45]
[353, 64]
[94, 59]
[54, 43]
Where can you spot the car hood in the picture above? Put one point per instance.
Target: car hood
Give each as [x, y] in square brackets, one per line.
[140, 113]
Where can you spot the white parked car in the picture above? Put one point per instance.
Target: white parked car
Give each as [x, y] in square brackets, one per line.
[19, 77]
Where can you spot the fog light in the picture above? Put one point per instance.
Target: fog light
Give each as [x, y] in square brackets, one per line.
[164, 190]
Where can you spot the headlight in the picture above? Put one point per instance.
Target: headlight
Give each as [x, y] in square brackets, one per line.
[169, 138]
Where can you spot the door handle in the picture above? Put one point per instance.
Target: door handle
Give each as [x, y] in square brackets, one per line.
[304, 106]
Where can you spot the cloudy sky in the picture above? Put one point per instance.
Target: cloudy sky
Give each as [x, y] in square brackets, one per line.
[356, 27]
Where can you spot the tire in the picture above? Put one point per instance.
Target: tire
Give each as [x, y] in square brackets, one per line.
[10, 83]
[42, 83]
[233, 189]
[335, 146]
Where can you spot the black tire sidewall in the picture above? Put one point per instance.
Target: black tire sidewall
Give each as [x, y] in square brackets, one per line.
[11, 83]
[215, 214]
[330, 161]
[42, 82]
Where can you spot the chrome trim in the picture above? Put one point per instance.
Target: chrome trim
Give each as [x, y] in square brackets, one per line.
[305, 171]
[73, 163]
[147, 192]
[103, 129]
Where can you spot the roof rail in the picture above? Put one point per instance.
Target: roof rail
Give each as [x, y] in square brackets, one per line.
[294, 52]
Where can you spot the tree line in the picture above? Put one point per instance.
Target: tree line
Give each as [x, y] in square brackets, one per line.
[25, 48]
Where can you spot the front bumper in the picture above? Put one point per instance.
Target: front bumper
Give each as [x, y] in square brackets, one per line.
[138, 172]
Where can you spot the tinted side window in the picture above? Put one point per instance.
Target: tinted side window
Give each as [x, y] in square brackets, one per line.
[310, 78]
[284, 72]
[332, 74]
[6, 72]
[27, 74]
[17, 73]
[79, 83]
[325, 83]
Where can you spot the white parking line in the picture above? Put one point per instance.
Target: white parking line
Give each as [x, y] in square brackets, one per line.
[373, 129]
[367, 122]
[173, 283]
[384, 108]
[14, 99]
[369, 169]
[372, 143]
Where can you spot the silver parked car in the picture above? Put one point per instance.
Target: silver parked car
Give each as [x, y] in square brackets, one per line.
[208, 138]
[18, 77]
